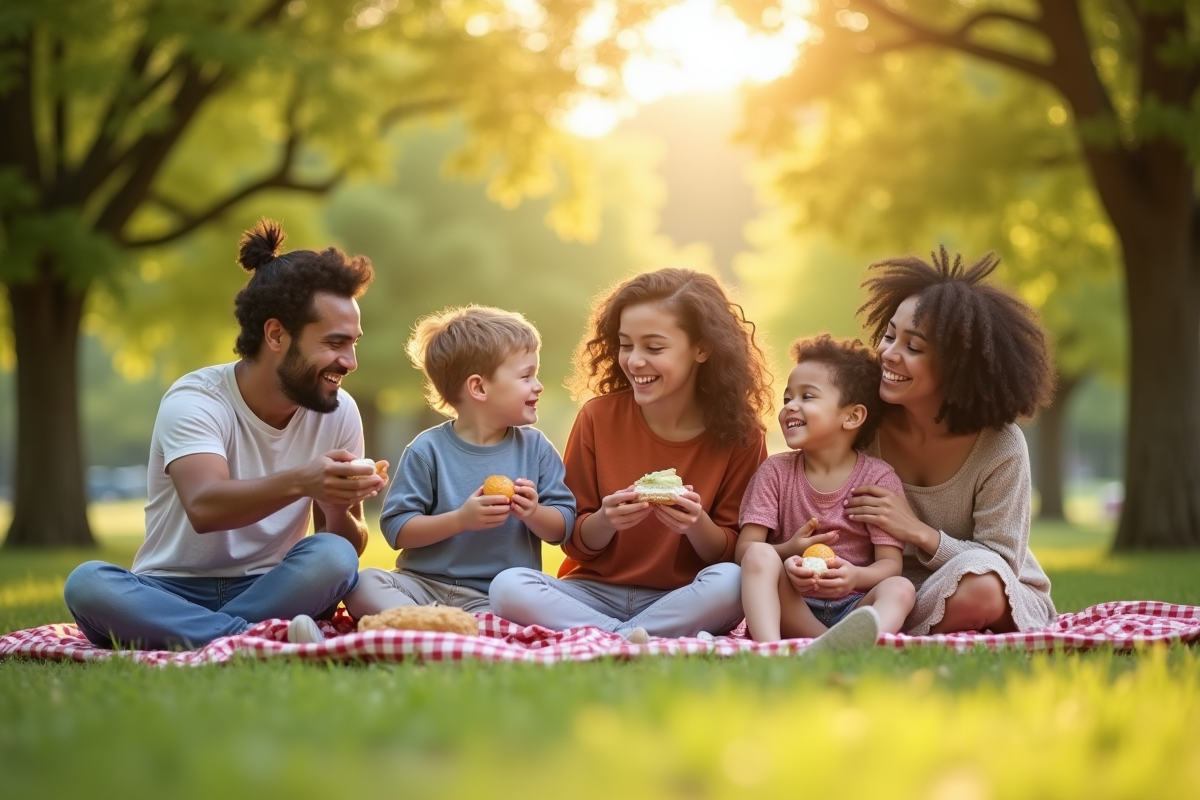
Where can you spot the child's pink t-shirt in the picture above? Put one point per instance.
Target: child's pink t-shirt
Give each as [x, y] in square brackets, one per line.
[780, 498]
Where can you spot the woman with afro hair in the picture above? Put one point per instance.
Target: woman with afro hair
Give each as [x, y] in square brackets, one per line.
[962, 361]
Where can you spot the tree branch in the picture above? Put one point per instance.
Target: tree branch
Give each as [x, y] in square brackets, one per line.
[280, 178]
[100, 163]
[18, 137]
[921, 34]
[398, 114]
[148, 153]
[59, 159]
[217, 209]
[999, 16]
[73, 187]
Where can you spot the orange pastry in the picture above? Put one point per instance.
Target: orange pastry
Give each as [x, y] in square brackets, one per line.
[498, 484]
[819, 551]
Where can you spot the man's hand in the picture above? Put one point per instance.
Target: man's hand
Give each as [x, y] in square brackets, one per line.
[524, 499]
[482, 511]
[332, 481]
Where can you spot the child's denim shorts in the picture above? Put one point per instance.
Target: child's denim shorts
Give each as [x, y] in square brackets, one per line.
[831, 612]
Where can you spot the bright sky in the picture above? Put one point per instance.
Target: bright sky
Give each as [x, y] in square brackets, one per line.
[693, 47]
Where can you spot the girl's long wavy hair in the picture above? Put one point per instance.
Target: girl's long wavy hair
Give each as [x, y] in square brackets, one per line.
[996, 366]
[733, 386]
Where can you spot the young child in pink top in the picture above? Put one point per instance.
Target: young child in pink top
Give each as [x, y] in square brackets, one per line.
[831, 408]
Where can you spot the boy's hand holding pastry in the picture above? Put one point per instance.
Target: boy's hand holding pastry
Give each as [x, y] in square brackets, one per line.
[524, 499]
[482, 511]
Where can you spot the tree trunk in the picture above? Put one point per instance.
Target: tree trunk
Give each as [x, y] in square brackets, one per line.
[50, 506]
[1051, 426]
[1162, 469]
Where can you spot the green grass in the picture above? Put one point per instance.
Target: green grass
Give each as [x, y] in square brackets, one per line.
[923, 724]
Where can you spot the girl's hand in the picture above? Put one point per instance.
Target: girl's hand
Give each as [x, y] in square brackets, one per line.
[890, 512]
[838, 581]
[805, 538]
[524, 499]
[684, 515]
[622, 510]
[804, 581]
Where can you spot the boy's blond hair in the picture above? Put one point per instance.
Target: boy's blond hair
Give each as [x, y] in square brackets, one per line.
[456, 343]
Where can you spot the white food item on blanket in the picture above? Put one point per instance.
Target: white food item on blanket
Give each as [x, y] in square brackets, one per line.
[817, 565]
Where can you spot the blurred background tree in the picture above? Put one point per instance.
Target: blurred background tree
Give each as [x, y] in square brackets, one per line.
[129, 126]
[1061, 133]
[872, 174]
[434, 241]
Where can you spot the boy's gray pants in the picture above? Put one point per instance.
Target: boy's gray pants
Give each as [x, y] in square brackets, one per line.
[378, 590]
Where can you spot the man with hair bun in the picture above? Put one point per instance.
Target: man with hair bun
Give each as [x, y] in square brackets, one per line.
[242, 457]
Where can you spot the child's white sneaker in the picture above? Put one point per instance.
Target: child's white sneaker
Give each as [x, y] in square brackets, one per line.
[303, 630]
[859, 630]
[637, 636]
[705, 636]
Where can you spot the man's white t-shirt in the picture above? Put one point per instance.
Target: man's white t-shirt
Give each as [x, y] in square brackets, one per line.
[203, 412]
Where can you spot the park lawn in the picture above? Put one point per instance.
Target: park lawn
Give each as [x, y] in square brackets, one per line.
[884, 723]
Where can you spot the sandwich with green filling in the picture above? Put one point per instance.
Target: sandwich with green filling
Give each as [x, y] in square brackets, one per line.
[663, 487]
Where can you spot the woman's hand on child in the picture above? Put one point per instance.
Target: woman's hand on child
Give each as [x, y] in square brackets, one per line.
[889, 511]
[683, 515]
[482, 511]
[525, 498]
[622, 509]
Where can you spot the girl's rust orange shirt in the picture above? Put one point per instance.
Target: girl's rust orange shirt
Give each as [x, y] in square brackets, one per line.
[610, 447]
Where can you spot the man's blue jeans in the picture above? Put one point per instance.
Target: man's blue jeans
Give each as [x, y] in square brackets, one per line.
[113, 605]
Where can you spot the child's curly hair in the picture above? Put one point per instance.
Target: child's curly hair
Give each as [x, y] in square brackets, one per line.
[856, 373]
[733, 386]
[995, 362]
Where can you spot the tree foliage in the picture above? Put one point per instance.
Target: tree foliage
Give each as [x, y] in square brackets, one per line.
[435, 241]
[129, 126]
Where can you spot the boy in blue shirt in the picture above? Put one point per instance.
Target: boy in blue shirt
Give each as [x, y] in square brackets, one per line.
[480, 368]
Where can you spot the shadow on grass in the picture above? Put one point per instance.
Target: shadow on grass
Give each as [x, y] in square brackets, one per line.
[1084, 572]
[31, 581]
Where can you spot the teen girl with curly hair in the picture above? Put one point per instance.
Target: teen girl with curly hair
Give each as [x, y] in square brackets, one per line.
[676, 379]
[962, 361]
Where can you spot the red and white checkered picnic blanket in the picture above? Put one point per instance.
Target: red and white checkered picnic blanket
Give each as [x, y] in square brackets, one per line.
[1120, 625]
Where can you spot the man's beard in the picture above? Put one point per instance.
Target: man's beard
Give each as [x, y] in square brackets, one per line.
[304, 385]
